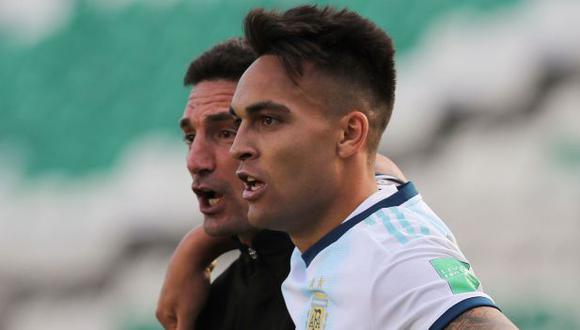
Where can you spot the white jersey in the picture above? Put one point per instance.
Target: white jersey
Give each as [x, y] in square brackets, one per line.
[392, 264]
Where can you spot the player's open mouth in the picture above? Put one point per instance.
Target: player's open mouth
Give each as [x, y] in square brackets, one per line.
[252, 186]
[209, 200]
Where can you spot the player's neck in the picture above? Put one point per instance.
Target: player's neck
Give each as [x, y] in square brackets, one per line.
[353, 190]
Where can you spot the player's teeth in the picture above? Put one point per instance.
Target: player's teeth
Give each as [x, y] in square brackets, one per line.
[213, 201]
[250, 179]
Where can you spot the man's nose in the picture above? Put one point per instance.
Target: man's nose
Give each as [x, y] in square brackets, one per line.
[200, 158]
[243, 148]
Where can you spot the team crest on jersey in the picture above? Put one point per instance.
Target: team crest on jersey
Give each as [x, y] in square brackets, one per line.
[317, 314]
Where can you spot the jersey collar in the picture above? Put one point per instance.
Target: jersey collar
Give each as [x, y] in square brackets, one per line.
[404, 193]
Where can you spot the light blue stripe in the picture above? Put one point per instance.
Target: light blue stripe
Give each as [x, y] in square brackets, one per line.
[425, 230]
[370, 221]
[435, 222]
[391, 228]
[403, 221]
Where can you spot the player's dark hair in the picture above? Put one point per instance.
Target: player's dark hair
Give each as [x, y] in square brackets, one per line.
[340, 43]
[227, 60]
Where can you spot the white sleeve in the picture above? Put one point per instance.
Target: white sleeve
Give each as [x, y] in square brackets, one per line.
[425, 284]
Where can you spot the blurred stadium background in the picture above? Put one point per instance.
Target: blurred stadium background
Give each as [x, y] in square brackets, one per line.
[94, 195]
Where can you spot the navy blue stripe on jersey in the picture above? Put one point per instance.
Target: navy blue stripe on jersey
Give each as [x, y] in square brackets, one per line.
[404, 193]
[461, 307]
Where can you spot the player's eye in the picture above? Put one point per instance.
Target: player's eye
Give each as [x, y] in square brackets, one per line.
[188, 138]
[269, 121]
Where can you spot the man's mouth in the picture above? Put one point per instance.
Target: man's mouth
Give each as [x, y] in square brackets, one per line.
[213, 199]
[209, 200]
[252, 186]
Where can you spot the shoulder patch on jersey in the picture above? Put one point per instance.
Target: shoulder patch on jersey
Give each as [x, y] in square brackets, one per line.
[457, 273]
[317, 314]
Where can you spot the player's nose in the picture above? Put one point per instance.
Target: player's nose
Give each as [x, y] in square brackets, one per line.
[243, 147]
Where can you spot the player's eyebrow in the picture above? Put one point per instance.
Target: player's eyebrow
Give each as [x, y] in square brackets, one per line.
[258, 107]
[266, 105]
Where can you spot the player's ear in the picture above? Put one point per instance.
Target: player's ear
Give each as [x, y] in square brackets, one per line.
[354, 130]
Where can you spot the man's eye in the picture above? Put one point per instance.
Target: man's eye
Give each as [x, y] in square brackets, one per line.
[188, 138]
[227, 134]
[269, 121]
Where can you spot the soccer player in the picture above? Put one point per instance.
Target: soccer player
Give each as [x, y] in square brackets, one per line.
[311, 110]
[247, 295]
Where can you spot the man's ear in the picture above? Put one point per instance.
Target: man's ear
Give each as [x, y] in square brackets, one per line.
[354, 133]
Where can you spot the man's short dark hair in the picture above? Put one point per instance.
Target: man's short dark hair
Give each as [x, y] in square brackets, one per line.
[340, 43]
[227, 60]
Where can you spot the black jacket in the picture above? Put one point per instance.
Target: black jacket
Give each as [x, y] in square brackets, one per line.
[247, 295]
